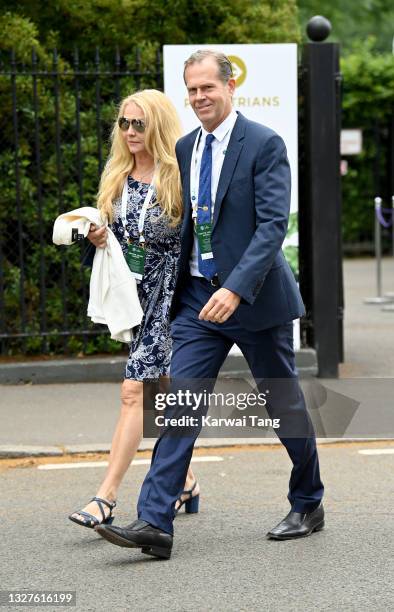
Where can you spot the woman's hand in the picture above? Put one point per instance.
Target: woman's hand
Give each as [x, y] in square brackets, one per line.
[98, 236]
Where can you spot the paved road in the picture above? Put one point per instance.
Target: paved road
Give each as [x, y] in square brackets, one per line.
[221, 560]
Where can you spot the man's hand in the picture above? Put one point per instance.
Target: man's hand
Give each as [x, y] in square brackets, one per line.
[220, 306]
[98, 236]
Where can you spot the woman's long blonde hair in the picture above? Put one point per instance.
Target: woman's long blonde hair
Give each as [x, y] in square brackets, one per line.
[162, 131]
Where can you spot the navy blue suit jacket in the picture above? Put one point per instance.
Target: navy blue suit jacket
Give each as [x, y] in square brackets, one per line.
[249, 225]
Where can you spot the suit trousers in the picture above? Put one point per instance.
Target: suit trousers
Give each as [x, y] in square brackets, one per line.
[199, 350]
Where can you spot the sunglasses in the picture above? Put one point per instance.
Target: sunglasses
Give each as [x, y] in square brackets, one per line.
[137, 124]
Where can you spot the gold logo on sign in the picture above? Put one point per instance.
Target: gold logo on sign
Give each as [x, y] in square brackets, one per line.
[239, 69]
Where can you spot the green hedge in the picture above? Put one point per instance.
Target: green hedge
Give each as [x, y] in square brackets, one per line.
[368, 101]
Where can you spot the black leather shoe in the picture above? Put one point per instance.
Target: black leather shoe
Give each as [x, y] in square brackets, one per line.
[139, 534]
[297, 525]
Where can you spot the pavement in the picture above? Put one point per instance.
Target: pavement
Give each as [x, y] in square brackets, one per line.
[368, 329]
[60, 419]
[110, 368]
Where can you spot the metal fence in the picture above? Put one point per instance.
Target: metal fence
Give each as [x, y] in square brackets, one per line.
[55, 126]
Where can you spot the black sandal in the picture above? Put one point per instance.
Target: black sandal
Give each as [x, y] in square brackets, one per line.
[191, 504]
[91, 520]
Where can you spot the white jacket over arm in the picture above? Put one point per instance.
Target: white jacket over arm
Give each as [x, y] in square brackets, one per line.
[113, 298]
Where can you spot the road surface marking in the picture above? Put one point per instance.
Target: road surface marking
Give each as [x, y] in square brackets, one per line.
[208, 458]
[377, 451]
[96, 464]
[72, 466]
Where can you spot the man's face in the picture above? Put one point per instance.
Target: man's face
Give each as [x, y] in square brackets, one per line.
[209, 97]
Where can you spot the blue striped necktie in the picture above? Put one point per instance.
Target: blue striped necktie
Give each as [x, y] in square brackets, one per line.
[206, 267]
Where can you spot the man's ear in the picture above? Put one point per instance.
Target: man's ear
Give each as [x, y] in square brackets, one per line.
[231, 85]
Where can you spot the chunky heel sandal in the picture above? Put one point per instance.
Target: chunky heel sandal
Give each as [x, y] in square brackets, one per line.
[89, 520]
[191, 504]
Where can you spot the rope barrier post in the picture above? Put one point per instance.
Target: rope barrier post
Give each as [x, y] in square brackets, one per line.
[390, 294]
[390, 308]
[392, 224]
[378, 247]
[380, 299]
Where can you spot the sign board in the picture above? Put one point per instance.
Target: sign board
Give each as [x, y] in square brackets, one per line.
[351, 142]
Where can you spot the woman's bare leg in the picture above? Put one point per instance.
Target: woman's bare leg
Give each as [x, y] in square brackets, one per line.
[125, 442]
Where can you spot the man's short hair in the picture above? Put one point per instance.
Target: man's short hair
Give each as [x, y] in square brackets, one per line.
[225, 68]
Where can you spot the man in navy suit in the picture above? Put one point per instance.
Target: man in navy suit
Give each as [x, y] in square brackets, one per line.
[234, 286]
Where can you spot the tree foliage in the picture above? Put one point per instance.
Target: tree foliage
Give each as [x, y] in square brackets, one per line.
[126, 23]
[368, 103]
[353, 21]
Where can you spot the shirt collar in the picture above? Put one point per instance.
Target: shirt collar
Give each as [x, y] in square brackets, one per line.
[222, 129]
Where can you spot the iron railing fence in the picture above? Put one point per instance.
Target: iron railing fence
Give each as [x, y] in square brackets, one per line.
[54, 138]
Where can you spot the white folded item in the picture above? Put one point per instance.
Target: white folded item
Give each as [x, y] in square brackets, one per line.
[113, 298]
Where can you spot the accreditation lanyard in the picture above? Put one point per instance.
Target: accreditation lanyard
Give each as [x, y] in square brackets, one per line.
[136, 252]
[203, 230]
[194, 177]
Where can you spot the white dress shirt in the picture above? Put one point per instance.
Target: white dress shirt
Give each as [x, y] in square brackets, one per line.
[222, 136]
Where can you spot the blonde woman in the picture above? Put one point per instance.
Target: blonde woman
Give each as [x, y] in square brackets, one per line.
[140, 195]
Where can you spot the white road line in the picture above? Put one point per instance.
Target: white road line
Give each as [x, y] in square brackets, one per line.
[377, 451]
[72, 466]
[207, 458]
[96, 464]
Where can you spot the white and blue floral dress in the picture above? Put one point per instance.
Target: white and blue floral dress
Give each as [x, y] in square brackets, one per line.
[150, 349]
